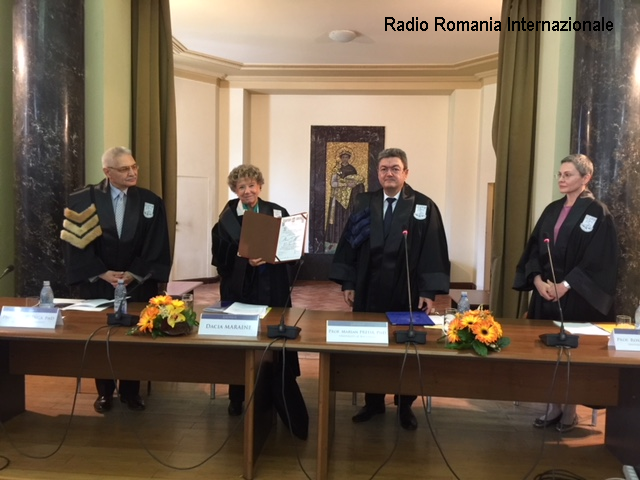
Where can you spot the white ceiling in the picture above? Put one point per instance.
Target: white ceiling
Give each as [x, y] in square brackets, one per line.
[247, 34]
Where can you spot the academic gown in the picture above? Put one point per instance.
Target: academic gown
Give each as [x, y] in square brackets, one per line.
[142, 249]
[267, 284]
[375, 267]
[585, 254]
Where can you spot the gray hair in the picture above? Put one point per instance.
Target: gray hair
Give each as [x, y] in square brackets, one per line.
[582, 163]
[244, 171]
[394, 153]
[109, 157]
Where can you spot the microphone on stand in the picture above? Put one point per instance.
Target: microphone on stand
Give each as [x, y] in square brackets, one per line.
[126, 319]
[282, 330]
[410, 335]
[7, 270]
[561, 339]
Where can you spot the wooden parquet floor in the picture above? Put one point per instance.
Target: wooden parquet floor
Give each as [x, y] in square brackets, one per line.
[177, 437]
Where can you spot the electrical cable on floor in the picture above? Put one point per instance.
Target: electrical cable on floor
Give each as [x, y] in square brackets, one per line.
[427, 416]
[286, 409]
[398, 426]
[226, 440]
[71, 415]
[549, 474]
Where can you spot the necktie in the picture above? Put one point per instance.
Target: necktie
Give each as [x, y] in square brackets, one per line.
[388, 215]
[119, 211]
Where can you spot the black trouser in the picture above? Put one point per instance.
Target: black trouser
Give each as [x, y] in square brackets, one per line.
[236, 393]
[127, 388]
[376, 400]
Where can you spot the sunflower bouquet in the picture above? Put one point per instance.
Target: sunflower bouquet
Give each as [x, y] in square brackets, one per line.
[477, 330]
[164, 316]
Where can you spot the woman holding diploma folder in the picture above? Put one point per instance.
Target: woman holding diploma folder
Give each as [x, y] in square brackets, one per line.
[252, 280]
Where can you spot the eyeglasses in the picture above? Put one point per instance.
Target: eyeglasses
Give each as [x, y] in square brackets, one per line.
[564, 176]
[393, 170]
[133, 167]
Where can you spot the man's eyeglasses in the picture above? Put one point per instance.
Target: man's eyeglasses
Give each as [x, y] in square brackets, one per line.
[393, 170]
[133, 167]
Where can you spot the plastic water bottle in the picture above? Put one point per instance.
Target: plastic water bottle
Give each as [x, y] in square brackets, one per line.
[463, 303]
[120, 297]
[46, 295]
[637, 318]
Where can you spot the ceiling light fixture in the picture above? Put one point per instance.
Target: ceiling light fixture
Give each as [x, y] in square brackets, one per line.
[342, 36]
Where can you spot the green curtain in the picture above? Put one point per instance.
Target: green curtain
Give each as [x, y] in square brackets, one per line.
[513, 141]
[154, 141]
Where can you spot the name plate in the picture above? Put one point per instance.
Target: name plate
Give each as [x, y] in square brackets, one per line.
[30, 317]
[344, 331]
[625, 339]
[229, 325]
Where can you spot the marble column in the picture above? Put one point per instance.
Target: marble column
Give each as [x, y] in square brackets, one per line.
[48, 133]
[606, 126]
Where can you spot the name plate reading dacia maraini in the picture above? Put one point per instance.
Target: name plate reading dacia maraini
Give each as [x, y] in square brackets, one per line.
[230, 325]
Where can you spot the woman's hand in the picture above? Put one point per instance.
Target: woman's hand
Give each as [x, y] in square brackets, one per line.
[256, 262]
[544, 288]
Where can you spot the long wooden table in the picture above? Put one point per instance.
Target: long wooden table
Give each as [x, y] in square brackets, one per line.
[192, 358]
[523, 371]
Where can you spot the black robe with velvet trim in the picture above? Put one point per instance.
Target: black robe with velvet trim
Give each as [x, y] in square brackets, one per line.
[375, 267]
[585, 255]
[143, 247]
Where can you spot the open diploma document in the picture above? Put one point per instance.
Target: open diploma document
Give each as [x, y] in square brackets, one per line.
[273, 239]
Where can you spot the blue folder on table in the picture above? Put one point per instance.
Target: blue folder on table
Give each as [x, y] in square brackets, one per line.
[402, 318]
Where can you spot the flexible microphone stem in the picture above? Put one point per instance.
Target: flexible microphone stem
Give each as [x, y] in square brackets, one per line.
[125, 319]
[283, 330]
[558, 339]
[410, 335]
[7, 270]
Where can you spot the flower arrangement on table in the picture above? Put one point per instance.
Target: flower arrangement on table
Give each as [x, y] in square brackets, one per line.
[164, 316]
[477, 330]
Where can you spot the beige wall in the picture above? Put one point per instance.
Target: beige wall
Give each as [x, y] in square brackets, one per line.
[446, 137]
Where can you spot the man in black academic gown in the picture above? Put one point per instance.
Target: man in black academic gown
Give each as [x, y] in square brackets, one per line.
[137, 248]
[370, 264]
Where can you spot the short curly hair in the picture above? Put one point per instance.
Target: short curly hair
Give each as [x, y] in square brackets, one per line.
[244, 171]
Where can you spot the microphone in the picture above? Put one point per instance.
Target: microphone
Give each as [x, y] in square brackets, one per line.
[561, 339]
[7, 270]
[282, 330]
[410, 335]
[124, 319]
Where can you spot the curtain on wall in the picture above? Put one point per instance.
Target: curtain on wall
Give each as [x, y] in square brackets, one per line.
[513, 141]
[154, 114]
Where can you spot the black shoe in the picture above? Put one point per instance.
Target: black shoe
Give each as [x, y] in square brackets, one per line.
[235, 409]
[541, 422]
[134, 402]
[366, 413]
[102, 404]
[408, 420]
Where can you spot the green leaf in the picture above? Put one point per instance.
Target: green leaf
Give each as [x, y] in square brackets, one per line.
[504, 342]
[480, 348]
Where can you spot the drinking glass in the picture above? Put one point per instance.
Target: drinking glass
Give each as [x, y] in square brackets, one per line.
[187, 298]
[449, 315]
[624, 321]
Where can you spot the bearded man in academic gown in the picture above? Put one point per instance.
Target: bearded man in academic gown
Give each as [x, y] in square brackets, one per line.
[370, 263]
[580, 235]
[136, 251]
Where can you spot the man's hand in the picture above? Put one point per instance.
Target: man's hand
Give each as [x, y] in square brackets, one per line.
[112, 277]
[349, 295]
[425, 304]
